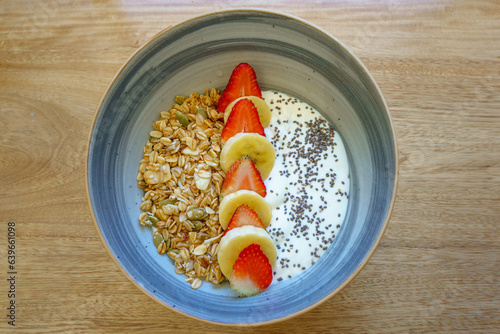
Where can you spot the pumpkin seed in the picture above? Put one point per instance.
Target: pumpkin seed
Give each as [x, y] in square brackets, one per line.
[157, 239]
[166, 201]
[202, 112]
[153, 220]
[167, 243]
[179, 99]
[196, 214]
[197, 225]
[182, 118]
[153, 139]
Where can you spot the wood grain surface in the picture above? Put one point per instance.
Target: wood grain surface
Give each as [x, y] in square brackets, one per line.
[438, 66]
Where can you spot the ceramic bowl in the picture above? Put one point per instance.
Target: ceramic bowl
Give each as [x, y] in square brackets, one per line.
[289, 55]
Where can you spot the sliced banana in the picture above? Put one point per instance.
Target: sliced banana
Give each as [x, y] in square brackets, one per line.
[231, 202]
[238, 239]
[261, 105]
[258, 147]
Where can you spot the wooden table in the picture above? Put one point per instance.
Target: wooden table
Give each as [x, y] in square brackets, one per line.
[438, 65]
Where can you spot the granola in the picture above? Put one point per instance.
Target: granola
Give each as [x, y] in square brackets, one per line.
[181, 178]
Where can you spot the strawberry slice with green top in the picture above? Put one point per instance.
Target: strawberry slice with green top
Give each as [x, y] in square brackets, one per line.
[243, 82]
[244, 215]
[243, 118]
[243, 175]
[252, 272]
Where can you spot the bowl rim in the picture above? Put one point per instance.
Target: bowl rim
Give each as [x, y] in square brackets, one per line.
[393, 135]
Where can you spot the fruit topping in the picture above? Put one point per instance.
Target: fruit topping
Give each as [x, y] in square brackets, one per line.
[261, 105]
[239, 238]
[252, 272]
[231, 202]
[243, 82]
[244, 118]
[243, 175]
[257, 147]
[244, 215]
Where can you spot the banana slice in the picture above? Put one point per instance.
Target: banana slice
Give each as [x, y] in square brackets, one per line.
[261, 105]
[258, 147]
[231, 202]
[238, 239]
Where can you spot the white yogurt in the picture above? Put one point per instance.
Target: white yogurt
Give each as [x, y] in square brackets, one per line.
[308, 186]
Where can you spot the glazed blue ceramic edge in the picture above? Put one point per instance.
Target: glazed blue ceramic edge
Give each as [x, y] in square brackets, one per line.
[358, 112]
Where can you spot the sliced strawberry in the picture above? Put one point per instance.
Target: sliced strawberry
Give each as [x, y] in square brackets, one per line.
[252, 272]
[244, 215]
[244, 117]
[243, 175]
[243, 82]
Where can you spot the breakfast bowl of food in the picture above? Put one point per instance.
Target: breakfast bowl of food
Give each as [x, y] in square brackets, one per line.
[242, 167]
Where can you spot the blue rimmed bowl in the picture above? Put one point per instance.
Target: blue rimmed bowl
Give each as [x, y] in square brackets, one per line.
[289, 55]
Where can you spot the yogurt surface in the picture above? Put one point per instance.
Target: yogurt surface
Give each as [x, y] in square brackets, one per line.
[308, 186]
